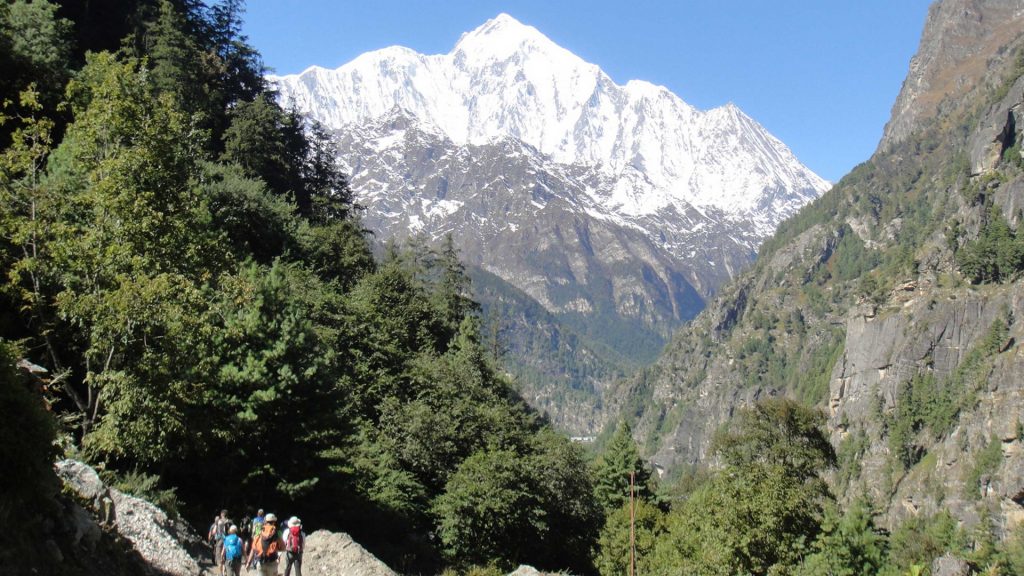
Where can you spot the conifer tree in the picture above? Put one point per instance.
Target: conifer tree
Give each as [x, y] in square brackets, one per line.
[612, 471]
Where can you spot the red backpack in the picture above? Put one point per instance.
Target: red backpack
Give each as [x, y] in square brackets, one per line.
[293, 542]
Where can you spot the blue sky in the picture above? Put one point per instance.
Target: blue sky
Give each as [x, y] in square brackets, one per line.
[821, 75]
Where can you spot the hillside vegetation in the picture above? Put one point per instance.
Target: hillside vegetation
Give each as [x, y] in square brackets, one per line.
[184, 258]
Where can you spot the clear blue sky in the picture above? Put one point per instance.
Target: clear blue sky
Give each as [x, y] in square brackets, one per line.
[821, 75]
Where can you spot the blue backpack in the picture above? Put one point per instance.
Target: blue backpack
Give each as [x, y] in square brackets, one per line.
[232, 547]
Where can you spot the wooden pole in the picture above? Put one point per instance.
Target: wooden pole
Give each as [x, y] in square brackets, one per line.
[632, 523]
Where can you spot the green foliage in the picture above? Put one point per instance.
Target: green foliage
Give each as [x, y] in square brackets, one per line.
[986, 463]
[148, 487]
[777, 432]
[35, 46]
[254, 222]
[489, 512]
[922, 402]
[188, 263]
[925, 402]
[649, 525]
[851, 450]
[997, 255]
[921, 539]
[758, 521]
[852, 259]
[1012, 155]
[761, 512]
[849, 544]
[175, 58]
[1012, 555]
[811, 385]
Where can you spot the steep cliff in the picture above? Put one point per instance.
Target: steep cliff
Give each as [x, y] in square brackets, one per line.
[892, 302]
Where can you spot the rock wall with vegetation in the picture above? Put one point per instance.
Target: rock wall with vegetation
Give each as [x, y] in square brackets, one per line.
[893, 303]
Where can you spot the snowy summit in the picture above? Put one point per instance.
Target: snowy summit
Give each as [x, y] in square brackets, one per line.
[507, 80]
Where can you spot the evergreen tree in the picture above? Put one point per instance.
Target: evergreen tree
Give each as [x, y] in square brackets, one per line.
[175, 59]
[849, 545]
[256, 142]
[612, 471]
[35, 46]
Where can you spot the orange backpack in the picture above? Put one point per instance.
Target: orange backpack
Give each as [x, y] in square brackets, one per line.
[267, 544]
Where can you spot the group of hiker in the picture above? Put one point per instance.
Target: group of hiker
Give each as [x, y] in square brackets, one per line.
[257, 543]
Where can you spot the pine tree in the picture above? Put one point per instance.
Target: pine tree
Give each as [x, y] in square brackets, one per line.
[613, 470]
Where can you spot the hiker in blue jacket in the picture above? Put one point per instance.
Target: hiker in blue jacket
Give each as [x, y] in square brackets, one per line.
[232, 551]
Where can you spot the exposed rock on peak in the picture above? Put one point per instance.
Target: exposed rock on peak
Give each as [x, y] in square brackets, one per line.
[961, 41]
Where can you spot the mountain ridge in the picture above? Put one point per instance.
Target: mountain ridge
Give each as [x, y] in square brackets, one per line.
[508, 79]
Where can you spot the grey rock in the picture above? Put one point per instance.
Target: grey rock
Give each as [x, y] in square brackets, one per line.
[336, 554]
[82, 478]
[164, 543]
[526, 571]
[784, 315]
[167, 545]
[54, 551]
[961, 43]
[998, 131]
[949, 565]
[83, 528]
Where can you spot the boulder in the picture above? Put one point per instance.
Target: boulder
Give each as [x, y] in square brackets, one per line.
[949, 565]
[336, 554]
[82, 479]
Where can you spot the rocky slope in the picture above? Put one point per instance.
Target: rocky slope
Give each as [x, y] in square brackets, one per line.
[101, 530]
[860, 304]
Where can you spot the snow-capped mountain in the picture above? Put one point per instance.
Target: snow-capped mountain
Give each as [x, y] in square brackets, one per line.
[506, 79]
[618, 208]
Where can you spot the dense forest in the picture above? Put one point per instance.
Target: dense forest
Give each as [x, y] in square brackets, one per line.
[183, 257]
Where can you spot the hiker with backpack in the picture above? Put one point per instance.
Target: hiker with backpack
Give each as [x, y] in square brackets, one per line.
[294, 543]
[233, 551]
[267, 547]
[218, 531]
[253, 530]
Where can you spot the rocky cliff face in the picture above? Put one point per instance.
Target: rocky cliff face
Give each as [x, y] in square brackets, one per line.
[860, 306]
[963, 41]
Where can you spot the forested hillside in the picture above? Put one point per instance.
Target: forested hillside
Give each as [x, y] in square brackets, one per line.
[183, 258]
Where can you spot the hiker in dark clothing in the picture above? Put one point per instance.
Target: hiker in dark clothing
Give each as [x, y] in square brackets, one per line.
[218, 531]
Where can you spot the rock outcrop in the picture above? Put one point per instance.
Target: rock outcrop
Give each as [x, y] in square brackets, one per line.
[962, 43]
[104, 531]
[998, 130]
[167, 546]
[336, 554]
